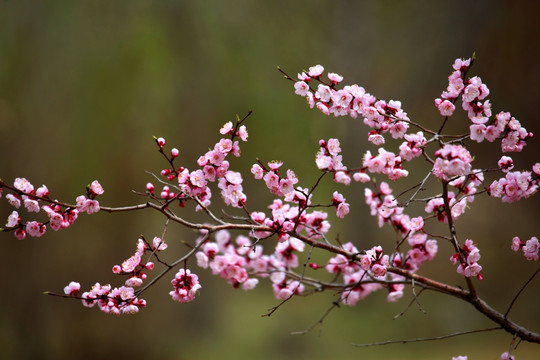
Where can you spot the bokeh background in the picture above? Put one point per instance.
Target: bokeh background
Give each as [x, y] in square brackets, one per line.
[84, 85]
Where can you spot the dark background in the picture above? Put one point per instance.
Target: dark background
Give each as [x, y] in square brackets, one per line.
[85, 85]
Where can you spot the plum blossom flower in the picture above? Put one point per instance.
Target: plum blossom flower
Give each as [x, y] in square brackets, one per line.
[13, 220]
[96, 188]
[227, 128]
[72, 289]
[301, 88]
[446, 108]
[316, 71]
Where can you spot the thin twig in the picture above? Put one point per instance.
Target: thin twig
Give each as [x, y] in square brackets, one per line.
[335, 304]
[520, 291]
[405, 341]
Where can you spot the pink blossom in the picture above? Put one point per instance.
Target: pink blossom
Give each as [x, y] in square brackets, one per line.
[506, 356]
[478, 132]
[335, 78]
[13, 200]
[531, 248]
[23, 185]
[159, 244]
[416, 223]
[233, 177]
[506, 163]
[31, 205]
[35, 229]
[96, 188]
[243, 133]
[446, 108]
[72, 289]
[161, 142]
[13, 219]
[361, 177]
[452, 160]
[42, 191]
[131, 264]
[536, 168]
[324, 93]
[301, 88]
[375, 138]
[315, 71]
[227, 128]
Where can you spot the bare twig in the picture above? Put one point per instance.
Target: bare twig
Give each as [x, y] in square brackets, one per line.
[405, 341]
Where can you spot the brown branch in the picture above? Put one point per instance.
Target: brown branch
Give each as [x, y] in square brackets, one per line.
[427, 339]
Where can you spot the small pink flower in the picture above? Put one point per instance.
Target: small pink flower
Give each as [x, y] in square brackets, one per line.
[315, 71]
[301, 88]
[96, 188]
[72, 289]
[416, 223]
[506, 163]
[13, 200]
[13, 219]
[159, 244]
[257, 171]
[375, 138]
[161, 142]
[335, 78]
[242, 133]
[130, 264]
[227, 128]
[23, 185]
[42, 191]
[446, 108]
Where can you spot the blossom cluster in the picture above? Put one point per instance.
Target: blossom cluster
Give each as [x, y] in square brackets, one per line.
[276, 184]
[60, 216]
[121, 300]
[466, 186]
[286, 218]
[530, 247]
[328, 158]
[186, 285]
[514, 186]
[353, 101]
[213, 167]
[452, 160]
[473, 93]
[110, 300]
[467, 259]
[241, 262]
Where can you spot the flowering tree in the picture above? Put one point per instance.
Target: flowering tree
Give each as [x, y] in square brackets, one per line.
[301, 226]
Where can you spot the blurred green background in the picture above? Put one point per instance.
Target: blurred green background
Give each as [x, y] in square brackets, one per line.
[84, 85]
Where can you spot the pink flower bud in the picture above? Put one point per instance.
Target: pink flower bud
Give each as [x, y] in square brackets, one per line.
[150, 187]
[149, 265]
[161, 142]
[174, 152]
